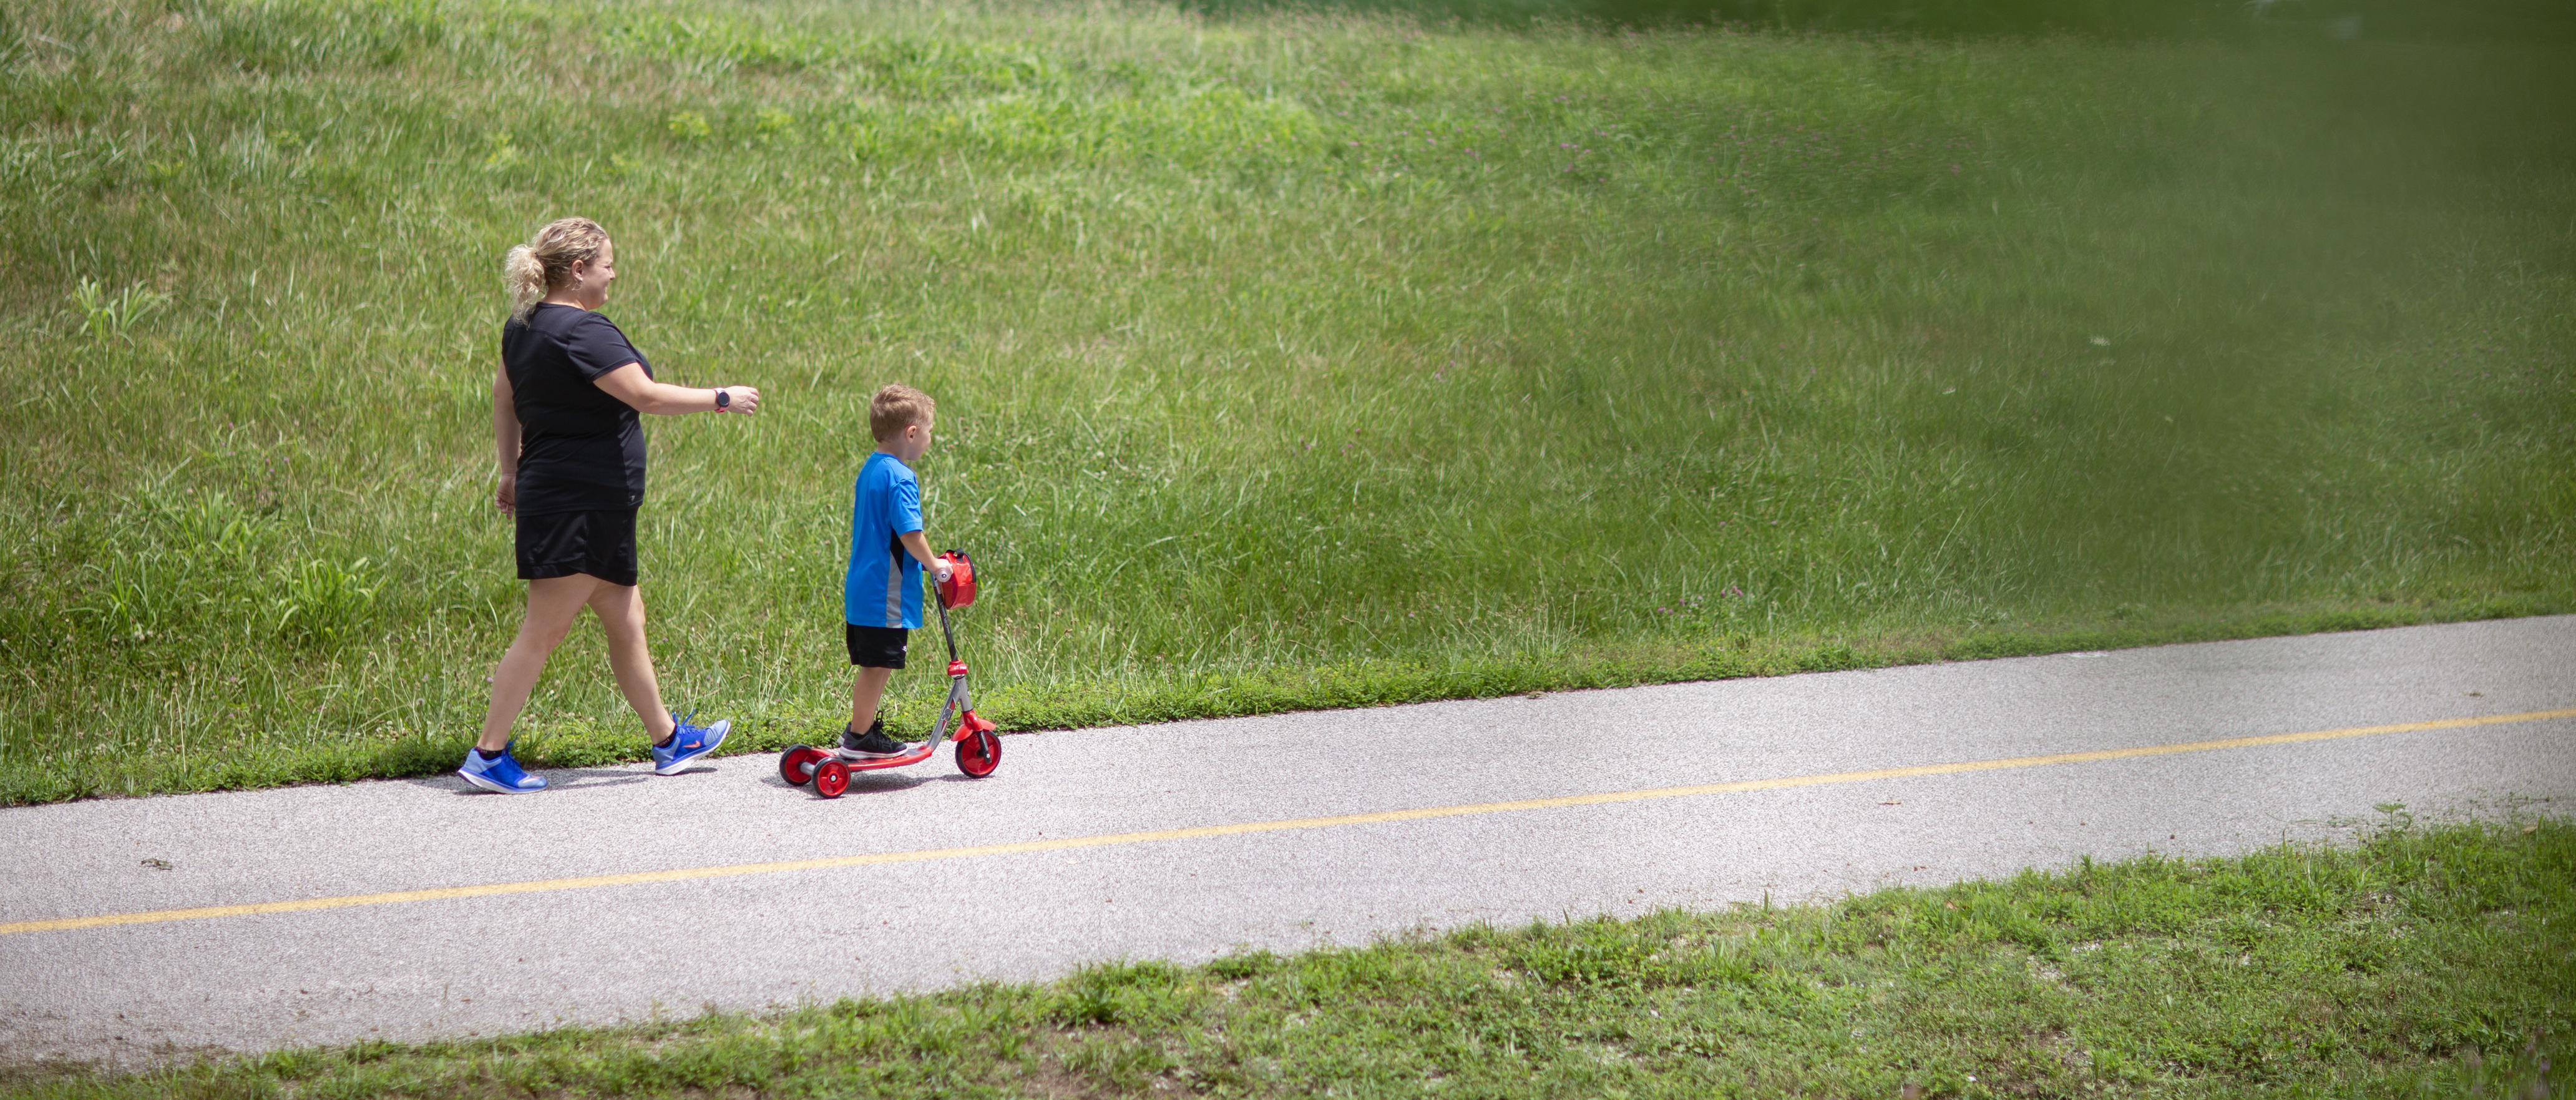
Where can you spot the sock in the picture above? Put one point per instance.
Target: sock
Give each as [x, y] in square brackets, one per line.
[490, 754]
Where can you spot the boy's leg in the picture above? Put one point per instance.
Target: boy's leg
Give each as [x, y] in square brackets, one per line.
[866, 691]
[620, 608]
[869, 741]
[553, 603]
[878, 653]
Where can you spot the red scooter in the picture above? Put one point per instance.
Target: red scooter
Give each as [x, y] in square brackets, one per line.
[979, 748]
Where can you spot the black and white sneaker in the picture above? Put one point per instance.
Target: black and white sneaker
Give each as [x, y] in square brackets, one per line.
[872, 745]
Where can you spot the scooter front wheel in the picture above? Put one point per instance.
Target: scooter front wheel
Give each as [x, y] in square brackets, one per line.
[796, 765]
[979, 753]
[831, 777]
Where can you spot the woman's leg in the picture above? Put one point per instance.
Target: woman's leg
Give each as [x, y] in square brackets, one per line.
[620, 608]
[553, 602]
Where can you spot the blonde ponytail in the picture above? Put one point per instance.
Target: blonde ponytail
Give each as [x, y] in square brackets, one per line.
[533, 270]
[526, 279]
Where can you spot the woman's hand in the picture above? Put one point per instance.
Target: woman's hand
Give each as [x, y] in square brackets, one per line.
[745, 400]
[507, 497]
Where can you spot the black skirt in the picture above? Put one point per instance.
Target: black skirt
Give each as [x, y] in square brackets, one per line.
[561, 544]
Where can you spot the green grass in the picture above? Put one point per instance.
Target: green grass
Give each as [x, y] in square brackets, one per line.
[2425, 961]
[1285, 360]
[2400, 20]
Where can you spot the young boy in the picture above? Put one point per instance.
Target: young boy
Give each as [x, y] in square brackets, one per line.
[881, 600]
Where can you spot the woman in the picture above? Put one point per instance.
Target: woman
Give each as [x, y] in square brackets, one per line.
[564, 408]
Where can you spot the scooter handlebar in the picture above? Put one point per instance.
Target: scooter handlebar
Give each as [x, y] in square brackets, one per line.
[959, 589]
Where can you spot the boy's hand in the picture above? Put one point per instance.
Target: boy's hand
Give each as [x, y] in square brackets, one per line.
[940, 570]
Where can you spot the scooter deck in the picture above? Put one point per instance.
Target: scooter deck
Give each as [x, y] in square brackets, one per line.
[910, 757]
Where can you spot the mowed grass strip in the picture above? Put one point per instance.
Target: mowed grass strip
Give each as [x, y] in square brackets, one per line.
[1285, 361]
[2423, 960]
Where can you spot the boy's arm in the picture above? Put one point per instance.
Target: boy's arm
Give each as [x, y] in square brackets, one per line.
[918, 545]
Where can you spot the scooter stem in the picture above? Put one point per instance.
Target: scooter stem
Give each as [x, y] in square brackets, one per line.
[944, 631]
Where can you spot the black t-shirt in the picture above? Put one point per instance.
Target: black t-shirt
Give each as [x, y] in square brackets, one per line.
[580, 450]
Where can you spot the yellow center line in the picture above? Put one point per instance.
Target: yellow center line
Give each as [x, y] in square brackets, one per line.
[1205, 831]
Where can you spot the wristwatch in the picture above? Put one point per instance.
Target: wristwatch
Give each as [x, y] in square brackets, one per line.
[724, 399]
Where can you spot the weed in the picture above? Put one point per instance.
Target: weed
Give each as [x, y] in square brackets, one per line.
[113, 316]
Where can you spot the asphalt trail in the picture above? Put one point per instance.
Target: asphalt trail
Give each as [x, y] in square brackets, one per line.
[414, 909]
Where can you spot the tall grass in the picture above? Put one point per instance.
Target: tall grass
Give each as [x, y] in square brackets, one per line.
[1283, 359]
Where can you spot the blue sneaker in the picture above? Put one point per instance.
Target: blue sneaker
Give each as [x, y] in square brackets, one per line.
[688, 743]
[501, 773]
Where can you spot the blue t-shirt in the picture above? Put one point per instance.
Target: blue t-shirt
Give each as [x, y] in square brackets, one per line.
[884, 586]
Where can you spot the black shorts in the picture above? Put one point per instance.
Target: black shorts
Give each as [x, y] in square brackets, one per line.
[560, 544]
[876, 646]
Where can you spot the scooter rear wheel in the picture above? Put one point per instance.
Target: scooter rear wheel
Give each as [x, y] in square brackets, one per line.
[796, 765]
[831, 777]
[979, 753]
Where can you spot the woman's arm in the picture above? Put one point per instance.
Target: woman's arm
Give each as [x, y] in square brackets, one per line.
[505, 440]
[630, 384]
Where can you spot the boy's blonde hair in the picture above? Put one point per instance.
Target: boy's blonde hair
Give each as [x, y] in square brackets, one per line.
[897, 407]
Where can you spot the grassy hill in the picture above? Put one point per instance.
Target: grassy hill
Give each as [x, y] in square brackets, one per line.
[1284, 360]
